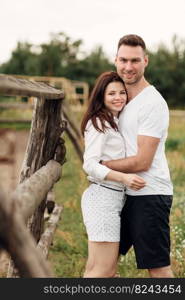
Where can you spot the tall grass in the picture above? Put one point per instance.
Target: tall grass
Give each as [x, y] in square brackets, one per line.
[69, 251]
[176, 159]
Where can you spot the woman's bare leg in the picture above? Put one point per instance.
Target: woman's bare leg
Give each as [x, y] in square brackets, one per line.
[102, 259]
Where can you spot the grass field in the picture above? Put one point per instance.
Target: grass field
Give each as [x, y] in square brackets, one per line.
[69, 250]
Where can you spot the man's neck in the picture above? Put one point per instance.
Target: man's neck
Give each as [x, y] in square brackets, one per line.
[135, 89]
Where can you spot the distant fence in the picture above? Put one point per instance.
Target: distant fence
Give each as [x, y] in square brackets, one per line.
[41, 168]
[76, 92]
[177, 113]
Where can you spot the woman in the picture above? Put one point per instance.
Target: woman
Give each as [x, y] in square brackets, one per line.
[103, 200]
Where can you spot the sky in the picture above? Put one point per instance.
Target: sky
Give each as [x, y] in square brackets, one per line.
[96, 22]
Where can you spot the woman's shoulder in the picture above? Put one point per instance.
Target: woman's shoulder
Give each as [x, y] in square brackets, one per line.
[91, 126]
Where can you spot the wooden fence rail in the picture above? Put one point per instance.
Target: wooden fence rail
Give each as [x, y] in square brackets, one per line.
[12, 86]
[40, 170]
[34, 189]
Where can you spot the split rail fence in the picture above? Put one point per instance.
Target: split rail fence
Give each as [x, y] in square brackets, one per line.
[22, 232]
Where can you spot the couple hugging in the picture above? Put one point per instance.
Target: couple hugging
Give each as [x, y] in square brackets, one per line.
[129, 197]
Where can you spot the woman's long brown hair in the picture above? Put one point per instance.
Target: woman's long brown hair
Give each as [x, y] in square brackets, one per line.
[96, 108]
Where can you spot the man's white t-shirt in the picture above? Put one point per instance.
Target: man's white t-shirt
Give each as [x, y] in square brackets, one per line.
[147, 114]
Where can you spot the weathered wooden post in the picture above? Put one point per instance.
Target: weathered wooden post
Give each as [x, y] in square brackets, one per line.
[44, 138]
[45, 141]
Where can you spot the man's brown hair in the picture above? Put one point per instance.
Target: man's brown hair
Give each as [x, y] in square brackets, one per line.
[132, 40]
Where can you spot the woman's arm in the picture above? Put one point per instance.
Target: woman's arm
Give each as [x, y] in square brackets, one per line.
[133, 181]
[94, 143]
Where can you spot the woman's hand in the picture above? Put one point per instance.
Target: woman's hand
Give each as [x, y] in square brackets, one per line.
[133, 181]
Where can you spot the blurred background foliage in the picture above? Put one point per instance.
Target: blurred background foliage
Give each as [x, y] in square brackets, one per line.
[62, 56]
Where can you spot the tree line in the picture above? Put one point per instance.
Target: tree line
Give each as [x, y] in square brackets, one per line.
[62, 57]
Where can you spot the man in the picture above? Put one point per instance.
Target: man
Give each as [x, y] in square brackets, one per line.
[144, 124]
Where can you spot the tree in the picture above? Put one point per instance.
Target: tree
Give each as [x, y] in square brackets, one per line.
[23, 61]
[58, 54]
[90, 67]
[166, 72]
[62, 56]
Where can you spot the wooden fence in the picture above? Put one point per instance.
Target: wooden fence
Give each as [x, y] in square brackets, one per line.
[41, 169]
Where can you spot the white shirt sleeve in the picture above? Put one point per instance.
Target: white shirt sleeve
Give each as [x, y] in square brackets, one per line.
[94, 143]
[154, 120]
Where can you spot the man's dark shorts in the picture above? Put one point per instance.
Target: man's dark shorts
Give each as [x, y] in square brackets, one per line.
[145, 226]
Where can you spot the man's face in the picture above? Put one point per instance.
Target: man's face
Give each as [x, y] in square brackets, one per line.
[130, 63]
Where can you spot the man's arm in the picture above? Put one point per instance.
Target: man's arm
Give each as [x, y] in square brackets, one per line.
[142, 161]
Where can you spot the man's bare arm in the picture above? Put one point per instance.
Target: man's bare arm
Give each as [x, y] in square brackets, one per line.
[142, 161]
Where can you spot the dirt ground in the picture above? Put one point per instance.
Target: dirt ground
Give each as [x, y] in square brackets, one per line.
[9, 173]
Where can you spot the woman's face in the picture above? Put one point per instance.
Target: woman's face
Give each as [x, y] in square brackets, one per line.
[115, 97]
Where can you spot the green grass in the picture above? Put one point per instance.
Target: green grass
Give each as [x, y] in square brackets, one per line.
[69, 250]
[176, 159]
[15, 126]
